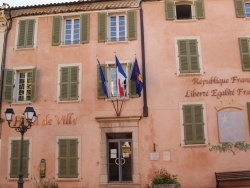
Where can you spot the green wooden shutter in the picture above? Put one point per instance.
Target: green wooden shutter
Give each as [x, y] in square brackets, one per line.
[102, 27]
[8, 85]
[193, 124]
[245, 53]
[100, 93]
[68, 158]
[132, 85]
[56, 31]
[199, 8]
[15, 158]
[187, 123]
[188, 56]
[239, 8]
[33, 90]
[21, 34]
[248, 113]
[131, 21]
[25, 158]
[194, 56]
[74, 83]
[84, 28]
[26, 34]
[73, 158]
[169, 10]
[30, 24]
[183, 55]
[69, 84]
[64, 84]
[62, 159]
[199, 124]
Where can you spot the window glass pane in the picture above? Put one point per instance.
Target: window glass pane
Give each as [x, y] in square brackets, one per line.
[113, 28]
[121, 28]
[113, 86]
[76, 31]
[121, 20]
[183, 12]
[67, 31]
[113, 81]
[24, 86]
[72, 31]
[247, 9]
[117, 30]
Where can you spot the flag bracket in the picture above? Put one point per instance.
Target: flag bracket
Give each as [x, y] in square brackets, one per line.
[117, 106]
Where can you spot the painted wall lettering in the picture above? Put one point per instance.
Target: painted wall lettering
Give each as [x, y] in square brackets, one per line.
[48, 119]
[215, 92]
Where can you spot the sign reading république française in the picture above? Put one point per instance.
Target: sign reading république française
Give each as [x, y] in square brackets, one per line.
[214, 80]
[68, 119]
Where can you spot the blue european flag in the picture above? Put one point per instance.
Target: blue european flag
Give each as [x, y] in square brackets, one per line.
[104, 87]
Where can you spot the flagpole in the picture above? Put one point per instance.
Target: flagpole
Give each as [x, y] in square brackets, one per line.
[116, 79]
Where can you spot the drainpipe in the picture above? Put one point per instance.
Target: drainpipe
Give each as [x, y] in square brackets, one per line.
[145, 105]
[6, 32]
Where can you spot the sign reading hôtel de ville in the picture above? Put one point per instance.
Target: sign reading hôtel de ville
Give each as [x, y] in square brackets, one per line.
[218, 93]
[67, 119]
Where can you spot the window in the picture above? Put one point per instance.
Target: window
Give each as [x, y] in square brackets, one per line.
[26, 34]
[69, 82]
[245, 53]
[188, 56]
[184, 10]
[242, 8]
[193, 124]
[20, 84]
[109, 71]
[117, 27]
[68, 158]
[70, 30]
[15, 158]
[247, 9]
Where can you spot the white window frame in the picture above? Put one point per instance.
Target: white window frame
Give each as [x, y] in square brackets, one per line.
[17, 70]
[79, 157]
[191, 3]
[63, 39]
[35, 33]
[182, 121]
[59, 80]
[177, 55]
[124, 63]
[117, 26]
[9, 157]
[247, 14]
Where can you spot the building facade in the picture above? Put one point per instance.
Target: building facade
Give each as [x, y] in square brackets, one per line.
[195, 62]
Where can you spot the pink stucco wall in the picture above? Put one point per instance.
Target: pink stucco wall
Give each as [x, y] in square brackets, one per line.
[46, 58]
[218, 33]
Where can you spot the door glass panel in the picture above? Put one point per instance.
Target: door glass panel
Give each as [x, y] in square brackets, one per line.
[113, 161]
[126, 161]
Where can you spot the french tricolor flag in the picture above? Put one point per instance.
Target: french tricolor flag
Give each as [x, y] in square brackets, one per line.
[121, 78]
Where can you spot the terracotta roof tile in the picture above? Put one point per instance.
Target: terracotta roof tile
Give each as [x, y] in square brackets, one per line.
[72, 7]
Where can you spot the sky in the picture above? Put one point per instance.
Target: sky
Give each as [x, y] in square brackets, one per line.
[15, 3]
